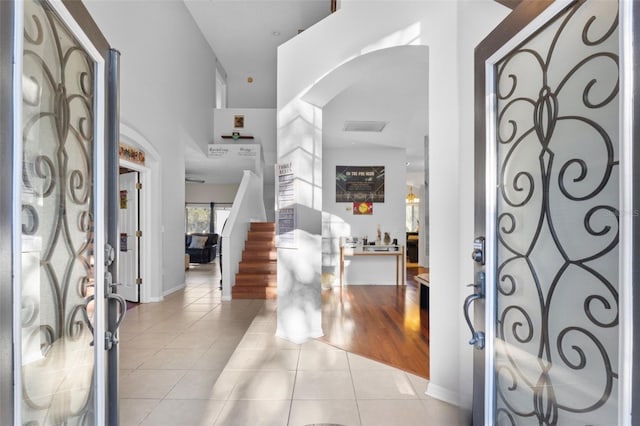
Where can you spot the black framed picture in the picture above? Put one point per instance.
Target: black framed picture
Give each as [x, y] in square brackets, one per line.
[359, 184]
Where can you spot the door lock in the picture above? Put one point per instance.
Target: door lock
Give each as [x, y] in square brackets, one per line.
[478, 250]
[109, 254]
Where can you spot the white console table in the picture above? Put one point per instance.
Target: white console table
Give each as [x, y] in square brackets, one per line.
[397, 251]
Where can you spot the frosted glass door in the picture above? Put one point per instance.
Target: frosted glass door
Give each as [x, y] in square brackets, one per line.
[59, 224]
[557, 228]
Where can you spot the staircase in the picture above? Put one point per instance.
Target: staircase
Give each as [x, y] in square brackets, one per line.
[256, 278]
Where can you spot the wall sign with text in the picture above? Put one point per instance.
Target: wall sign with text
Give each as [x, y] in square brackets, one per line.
[286, 214]
[359, 183]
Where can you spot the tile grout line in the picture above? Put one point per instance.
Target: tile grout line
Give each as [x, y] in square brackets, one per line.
[293, 388]
[353, 385]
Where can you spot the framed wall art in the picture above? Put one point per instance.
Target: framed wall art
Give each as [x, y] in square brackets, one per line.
[359, 184]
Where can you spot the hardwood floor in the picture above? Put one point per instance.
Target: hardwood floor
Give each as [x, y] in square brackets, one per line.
[384, 323]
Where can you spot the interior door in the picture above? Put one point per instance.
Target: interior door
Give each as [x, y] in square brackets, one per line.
[61, 262]
[129, 225]
[554, 218]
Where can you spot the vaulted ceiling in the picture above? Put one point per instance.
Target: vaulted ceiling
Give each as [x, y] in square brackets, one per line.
[244, 36]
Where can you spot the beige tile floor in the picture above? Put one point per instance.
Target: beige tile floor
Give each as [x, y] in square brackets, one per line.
[194, 360]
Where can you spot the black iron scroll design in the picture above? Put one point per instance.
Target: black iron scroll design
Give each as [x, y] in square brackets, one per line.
[557, 222]
[57, 209]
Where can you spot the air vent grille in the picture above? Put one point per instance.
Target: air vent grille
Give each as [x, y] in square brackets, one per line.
[193, 180]
[364, 126]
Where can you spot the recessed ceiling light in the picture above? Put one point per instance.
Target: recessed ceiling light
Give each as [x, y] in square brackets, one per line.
[364, 126]
[275, 33]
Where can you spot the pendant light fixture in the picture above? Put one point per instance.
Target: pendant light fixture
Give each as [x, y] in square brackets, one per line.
[411, 197]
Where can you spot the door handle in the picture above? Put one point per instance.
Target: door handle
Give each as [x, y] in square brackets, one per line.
[111, 336]
[123, 308]
[477, 337]
[85, 314]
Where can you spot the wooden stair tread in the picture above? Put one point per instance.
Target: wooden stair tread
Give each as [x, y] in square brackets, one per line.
[258, 244]
[255, 277]
[257, 268]
[257, 271]
[253, 234]
[250, 288]
[259, 256]
[262, 226]
[246, 279]
[258, 293]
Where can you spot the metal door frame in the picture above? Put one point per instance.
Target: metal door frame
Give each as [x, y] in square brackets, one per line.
[530, 13]
[112, 204]
[631, 105]
[6, 212]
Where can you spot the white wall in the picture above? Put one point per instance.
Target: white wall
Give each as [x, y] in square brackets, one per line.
[361, 27]
[476, 20]
[261, 124]
[258, 122]
[299, 292]
[242, 93]
[338, 219]
[167, 94]
[367, 26]
[150, 202]
[210, 193]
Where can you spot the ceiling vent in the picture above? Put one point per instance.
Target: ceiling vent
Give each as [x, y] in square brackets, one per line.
[193, 180]
[364, 126]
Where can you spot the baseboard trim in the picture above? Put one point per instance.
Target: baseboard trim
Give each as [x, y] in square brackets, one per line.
[174, 289]
[443, 394]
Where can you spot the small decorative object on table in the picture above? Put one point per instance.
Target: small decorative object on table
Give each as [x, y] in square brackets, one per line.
[387, 238]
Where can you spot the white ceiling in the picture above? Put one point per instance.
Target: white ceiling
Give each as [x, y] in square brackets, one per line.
[389, 86]
[245, 34]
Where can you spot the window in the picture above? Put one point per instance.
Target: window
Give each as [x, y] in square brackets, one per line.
[221, 213]
[412, 218]
[221, 90]
[199, 218]
[206, 217]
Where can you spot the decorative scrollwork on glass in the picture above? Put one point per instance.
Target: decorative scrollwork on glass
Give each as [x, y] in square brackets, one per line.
[57, 205]
[557, 222]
